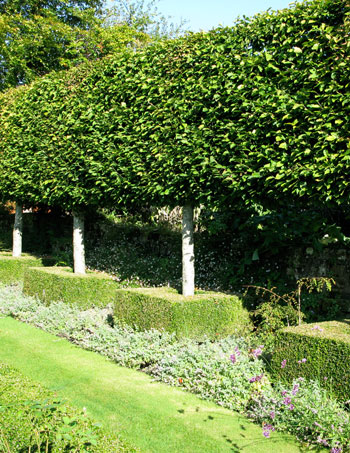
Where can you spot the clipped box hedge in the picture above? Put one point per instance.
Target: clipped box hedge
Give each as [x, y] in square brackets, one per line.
[51, 284]
[12, 269]
[206, 314]
[326, 348]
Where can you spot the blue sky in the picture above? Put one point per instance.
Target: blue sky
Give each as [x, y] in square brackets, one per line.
[206, 14]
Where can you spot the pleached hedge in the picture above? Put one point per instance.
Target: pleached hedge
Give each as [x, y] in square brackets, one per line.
[51, 284]
[12, 269]
[204, 315]
[253, 112]
[315, 351]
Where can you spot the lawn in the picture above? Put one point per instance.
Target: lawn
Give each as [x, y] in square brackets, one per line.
[149, 415]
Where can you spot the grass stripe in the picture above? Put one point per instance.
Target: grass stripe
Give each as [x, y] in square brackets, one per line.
[152, 416]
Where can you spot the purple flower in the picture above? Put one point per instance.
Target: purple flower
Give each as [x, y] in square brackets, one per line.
[256, 378]
[283, 363]
[295, 389]
[272, 414]
[302, 361]
[287, 401]
[237, 351]
[284, 392]
[336, 450]
[233, 358]
[317, 328]
[267, 428]
[291, 407]
[258, 351]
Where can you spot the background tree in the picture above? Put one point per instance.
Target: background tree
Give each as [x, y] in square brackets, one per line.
[39, 37]
[146, 18]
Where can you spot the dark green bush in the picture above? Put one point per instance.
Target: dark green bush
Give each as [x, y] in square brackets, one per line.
[12, 269]
[326, 348]
[32, 419]
[206, 314]
[60, 283]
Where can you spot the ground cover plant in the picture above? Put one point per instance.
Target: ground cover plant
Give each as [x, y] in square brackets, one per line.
[229, 371]
[32, 418]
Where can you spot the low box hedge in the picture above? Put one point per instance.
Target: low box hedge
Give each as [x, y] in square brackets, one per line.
[325, 348]
[33, 419]
[51, 284]
[12, 269]
[206, 314]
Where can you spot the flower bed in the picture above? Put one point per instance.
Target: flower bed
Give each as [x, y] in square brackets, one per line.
[228, 372]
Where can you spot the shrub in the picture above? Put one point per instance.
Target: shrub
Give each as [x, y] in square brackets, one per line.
[315, 351]
[60, 283]
[12, 269]
[205, 315]
[32, 419]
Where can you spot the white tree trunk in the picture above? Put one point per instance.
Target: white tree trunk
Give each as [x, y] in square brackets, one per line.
[78, 244]
[17, 232]
[187, 251]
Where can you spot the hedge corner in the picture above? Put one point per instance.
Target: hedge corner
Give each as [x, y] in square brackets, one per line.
[315, 351]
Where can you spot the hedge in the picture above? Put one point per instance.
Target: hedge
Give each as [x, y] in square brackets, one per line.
[326, 348]
[12, 269]
[234, 114]
[206, 314]
[60, 283]
[29, 412]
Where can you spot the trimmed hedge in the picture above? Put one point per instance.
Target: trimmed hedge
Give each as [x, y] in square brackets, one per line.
[326, 348]
[30, 414]
[206, 314]
[51, 284]
[12, 269]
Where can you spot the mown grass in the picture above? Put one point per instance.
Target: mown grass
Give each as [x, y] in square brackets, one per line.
[149, 415]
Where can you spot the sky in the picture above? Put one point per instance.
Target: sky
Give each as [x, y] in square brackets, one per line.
[207, 14]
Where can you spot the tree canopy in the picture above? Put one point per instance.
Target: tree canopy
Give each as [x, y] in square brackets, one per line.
[256, 112]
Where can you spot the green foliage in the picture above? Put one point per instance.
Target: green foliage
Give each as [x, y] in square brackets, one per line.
[32, 419]
[211, 315]
[12, 269]
[207, 118]
[60, 283]
[325, 346]
[38, 38]
[277, 311]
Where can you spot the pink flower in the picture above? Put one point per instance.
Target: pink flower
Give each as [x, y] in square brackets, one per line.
[283, 363]
[233, 358]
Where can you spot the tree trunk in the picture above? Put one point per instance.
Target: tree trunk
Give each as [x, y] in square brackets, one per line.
[78, 244]
[187, 251]
[17, 232]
